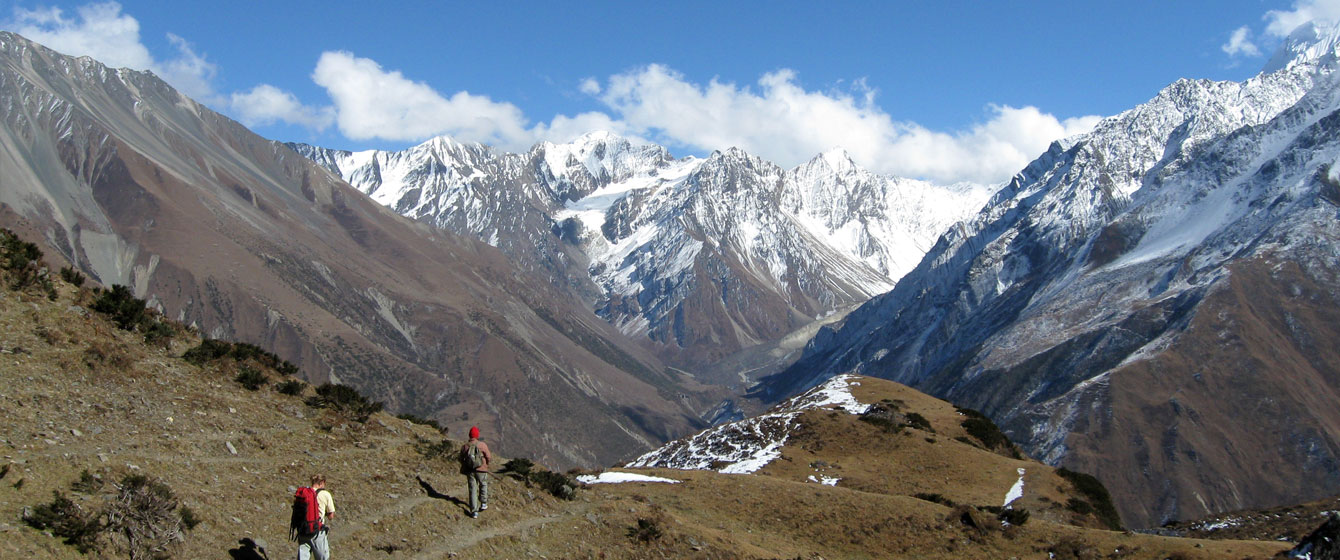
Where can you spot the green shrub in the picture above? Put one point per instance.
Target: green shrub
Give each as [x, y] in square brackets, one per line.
[1017, 517]
[555, 483]
[645, 531]
[519, 468]
[23, 263]
[1099, 501]
[420, 420]
[189, 519]
[121, 306]
[433, 450]
[210, 350]
[65, 519]
[72, 276]
[344, 399]
[251, 378]
[292, 387]
[919, 422]
[88, 483]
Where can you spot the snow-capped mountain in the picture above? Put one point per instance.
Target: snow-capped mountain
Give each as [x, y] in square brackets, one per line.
[746, 445]
[1134, 291]
[132, 183]
[704, 256]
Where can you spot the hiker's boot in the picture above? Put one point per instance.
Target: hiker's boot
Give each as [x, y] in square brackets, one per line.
[483, 507]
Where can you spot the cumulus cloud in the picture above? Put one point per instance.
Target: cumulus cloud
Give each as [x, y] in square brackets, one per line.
[373, 102]
[1240, 44]
[1280, 23]
[102, 32]
[787, 124]
[266, 104]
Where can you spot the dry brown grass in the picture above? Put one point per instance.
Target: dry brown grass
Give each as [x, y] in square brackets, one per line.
[142, 410]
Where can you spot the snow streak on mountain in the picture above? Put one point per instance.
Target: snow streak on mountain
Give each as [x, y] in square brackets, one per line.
[1134, 291]
[705, 256]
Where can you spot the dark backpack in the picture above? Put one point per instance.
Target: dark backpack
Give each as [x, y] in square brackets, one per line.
[471, 458]
[306, 520]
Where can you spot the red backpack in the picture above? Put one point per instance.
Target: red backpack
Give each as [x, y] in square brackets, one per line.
[306, 520]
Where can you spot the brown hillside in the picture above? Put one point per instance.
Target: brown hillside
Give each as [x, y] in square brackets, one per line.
[81, 395]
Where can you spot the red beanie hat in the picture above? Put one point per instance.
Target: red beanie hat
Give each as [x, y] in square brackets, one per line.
[474, 432]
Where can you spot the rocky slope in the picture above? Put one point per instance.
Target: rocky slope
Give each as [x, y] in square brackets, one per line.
[1151, 301]
[135, 184]
[83, 396]
[704, 257]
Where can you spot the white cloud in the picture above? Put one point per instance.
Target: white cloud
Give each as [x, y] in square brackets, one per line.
[1239, 44]
[102, 32]
[788, 125]
[372, 102]
[266, 104]
[590, 86]
[1280, 23]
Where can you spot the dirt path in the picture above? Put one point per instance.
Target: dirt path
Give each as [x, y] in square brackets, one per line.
[484, 528]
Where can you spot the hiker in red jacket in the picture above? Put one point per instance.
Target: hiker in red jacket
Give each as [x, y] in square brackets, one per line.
[475, 460]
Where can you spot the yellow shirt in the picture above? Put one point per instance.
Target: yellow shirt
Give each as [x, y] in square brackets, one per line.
[325, 503]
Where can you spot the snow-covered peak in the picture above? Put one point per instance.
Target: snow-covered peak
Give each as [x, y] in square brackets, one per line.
[837, 160]
[1309, 43]
[750, 444]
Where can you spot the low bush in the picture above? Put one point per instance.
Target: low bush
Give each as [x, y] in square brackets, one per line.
[144, 518]
[554, 483]
[345, 400]
[211, 349]
[72, 276]
[1099, 501]
[251, 378]
[421, 420]
[66, 520]
[919, 422]
[433, 450]
[22, 262]
[645, 531]
[1011, 516]
[520, 468]
[292, 387]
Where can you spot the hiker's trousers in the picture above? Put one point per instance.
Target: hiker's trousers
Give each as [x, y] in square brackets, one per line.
[478, 483]
[316, 548]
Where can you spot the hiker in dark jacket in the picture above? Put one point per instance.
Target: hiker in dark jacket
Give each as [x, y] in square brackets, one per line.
[475, 460]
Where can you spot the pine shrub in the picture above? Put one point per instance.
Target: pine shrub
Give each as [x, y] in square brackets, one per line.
[1096, 498]
[646, 530]
[345, 400]
[66, 520]
[292, 387]
[251, 378]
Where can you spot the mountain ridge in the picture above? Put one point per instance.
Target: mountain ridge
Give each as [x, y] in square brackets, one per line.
[1100, 256]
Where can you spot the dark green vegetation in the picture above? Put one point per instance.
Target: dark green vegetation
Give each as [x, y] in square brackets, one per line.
[345, 400]
[210, 350]
[22, 261]
[1097, 500]
[986, 432]
[139, 517]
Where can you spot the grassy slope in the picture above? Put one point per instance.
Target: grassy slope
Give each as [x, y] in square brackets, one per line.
[139, 409]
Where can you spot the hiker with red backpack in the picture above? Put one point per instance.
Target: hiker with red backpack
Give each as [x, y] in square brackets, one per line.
[475, 458]
[313, 510]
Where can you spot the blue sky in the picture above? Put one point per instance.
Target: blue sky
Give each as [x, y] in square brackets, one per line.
[947, 91]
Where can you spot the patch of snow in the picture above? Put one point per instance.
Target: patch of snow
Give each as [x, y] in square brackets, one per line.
[825, 480]
[834, 393]
[621, 477]
[1016, 491]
